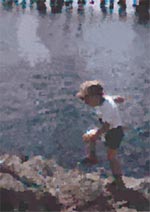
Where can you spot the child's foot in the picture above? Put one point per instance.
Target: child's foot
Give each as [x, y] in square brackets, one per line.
[118, 184]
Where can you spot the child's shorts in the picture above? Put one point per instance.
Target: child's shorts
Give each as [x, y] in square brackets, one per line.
[114, 137]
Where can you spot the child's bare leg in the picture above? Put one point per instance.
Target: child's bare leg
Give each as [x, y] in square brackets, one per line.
[92, 149]
[114, 164]
[91, 157]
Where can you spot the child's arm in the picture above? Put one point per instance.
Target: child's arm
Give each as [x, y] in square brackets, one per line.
[98, 132]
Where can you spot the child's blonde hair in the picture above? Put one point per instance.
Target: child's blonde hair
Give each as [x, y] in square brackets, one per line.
[89, 88]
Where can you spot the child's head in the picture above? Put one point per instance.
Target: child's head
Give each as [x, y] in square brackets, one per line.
[91, 92]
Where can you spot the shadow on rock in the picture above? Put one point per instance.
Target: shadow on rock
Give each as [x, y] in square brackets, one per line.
[134, 199]
[99, 204]
[27, 200]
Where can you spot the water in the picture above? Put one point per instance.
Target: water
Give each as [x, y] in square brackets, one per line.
[44, 58]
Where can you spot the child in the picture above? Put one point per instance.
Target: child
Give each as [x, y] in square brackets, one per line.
[91, 92]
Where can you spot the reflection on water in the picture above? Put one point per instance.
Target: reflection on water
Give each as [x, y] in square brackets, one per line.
[29, 42]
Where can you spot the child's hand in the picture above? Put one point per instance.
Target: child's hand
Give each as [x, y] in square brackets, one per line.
[119, 99]
[91, 135]
[85, 137]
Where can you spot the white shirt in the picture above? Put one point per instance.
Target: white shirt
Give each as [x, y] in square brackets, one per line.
[109, 113]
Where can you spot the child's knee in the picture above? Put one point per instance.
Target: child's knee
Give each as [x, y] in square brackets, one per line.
[111, 154]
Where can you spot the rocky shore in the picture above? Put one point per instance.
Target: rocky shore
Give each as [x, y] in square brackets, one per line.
[39, 184]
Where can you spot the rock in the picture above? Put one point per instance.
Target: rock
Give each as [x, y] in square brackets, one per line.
[9, 182]
[125, 209]
[30, 188]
